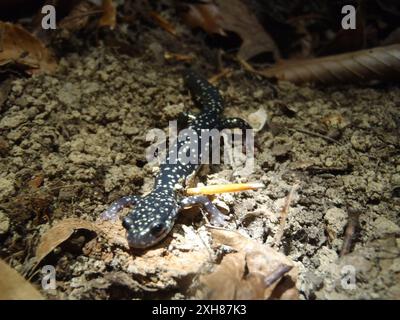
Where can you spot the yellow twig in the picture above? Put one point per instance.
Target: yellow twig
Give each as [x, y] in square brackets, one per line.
[233, 187]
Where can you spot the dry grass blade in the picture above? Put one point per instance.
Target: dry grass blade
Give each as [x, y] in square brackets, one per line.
[163, 23]
[381, 63]
[15, 287]
[170, 56]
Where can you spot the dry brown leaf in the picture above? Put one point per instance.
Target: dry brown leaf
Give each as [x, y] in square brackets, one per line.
[254, 271]
[18, 46]
[381, 63]
[59, 233]
[15, 287]
[206, 16]
[223, 282]
[237, 17]
[233, 15]
[109, 16]
[79, 16]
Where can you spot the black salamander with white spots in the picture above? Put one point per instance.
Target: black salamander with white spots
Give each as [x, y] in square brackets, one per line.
[153, 215]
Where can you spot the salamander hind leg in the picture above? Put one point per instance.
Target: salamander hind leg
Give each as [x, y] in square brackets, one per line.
[217, 217]
[112, 212]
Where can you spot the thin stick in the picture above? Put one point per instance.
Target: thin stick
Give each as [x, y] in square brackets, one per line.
[315, 134]
[224, 188]
[350, 232]
[277, 274]
[81, 15]
[224, 73]
[284, 214]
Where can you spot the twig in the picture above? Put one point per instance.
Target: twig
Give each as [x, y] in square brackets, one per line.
[315, 134]
[81, 15]
[215, 227]
[224, 73]
[350, 232]
[163, 23]
[332, 170]
[284, 214]
[247, 66]
[277, 274]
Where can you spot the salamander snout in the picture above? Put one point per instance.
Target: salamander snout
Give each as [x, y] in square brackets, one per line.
[148, 237]
[149, 223]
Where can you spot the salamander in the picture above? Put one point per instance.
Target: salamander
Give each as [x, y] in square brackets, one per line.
[154, 215]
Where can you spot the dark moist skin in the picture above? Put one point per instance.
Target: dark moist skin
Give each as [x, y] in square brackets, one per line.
[154, 215]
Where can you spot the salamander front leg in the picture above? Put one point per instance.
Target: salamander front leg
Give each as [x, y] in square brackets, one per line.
[217, 218]
[185, 119]
[112, 212]
[236, 123]
[232, 123]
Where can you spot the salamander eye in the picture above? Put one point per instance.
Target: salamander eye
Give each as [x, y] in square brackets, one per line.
[157, 229]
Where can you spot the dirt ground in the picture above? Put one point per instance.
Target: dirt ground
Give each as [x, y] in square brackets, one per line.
[82, 130]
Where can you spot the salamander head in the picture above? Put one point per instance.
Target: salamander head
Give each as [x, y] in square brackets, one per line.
[150, 221]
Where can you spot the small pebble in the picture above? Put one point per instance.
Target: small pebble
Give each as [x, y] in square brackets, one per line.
[4, 223]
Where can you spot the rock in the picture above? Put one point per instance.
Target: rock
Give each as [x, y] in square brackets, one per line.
[395, 180]
[172, 111]
[14, 120]
[258, 119]
[17, 87]
[395, 267]
[129, 130]
[4, 223]
[360, 141]
[384, 226]
[258, 94]
[327, 259]
[70, 95]
[375, 190]
[103, 76]
[6, 189]
[336, 220]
